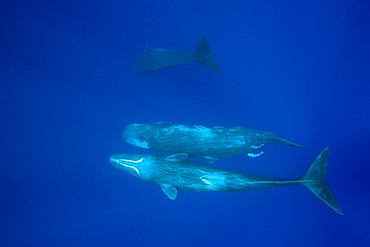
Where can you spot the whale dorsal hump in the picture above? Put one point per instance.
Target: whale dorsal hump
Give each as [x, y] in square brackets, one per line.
[238, 129]
[169, 190]
[163, 122]
[176, 157]
[220, 128]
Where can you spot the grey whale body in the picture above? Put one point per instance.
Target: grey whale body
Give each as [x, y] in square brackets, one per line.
[175, 173]
[155, 59]
[209, 144]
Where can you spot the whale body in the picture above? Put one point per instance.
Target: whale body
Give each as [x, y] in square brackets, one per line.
[155, 59]
[209, 144]
[174, 172]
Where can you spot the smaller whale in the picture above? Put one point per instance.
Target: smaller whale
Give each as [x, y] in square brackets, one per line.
[155, 59]
[174, 173]
[209, 144]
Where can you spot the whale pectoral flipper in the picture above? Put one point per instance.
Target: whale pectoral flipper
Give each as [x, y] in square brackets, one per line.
[169, 190]
[176, 157]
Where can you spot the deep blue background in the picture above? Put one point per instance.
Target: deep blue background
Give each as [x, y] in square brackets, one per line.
[299, 69]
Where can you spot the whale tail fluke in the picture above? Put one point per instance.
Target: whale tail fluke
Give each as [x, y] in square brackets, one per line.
[313, 180]
[203, 55]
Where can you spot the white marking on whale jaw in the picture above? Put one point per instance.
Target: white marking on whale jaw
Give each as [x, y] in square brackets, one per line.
[206, 180]
[133, 167]
[256, 147]
[134, 161]
[137, 143]
[210, 159]
[254, 155]
[213, 181]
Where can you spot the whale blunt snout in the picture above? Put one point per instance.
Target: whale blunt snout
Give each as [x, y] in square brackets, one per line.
[129, 132]
[137, 135]
[134, 130]
[115, 158]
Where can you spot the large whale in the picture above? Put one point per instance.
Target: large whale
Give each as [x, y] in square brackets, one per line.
[155, 59]
[209, 144]
[174, 173]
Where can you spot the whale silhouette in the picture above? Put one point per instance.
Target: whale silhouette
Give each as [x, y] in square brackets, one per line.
[155, 59]
[209, 144]
[174, 173]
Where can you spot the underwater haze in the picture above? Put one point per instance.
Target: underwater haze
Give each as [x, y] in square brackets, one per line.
[298, 69]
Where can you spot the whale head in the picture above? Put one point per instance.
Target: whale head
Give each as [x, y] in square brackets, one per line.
[129, 163]
[137, 135]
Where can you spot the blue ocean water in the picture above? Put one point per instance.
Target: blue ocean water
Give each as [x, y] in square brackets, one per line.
[297, 69]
